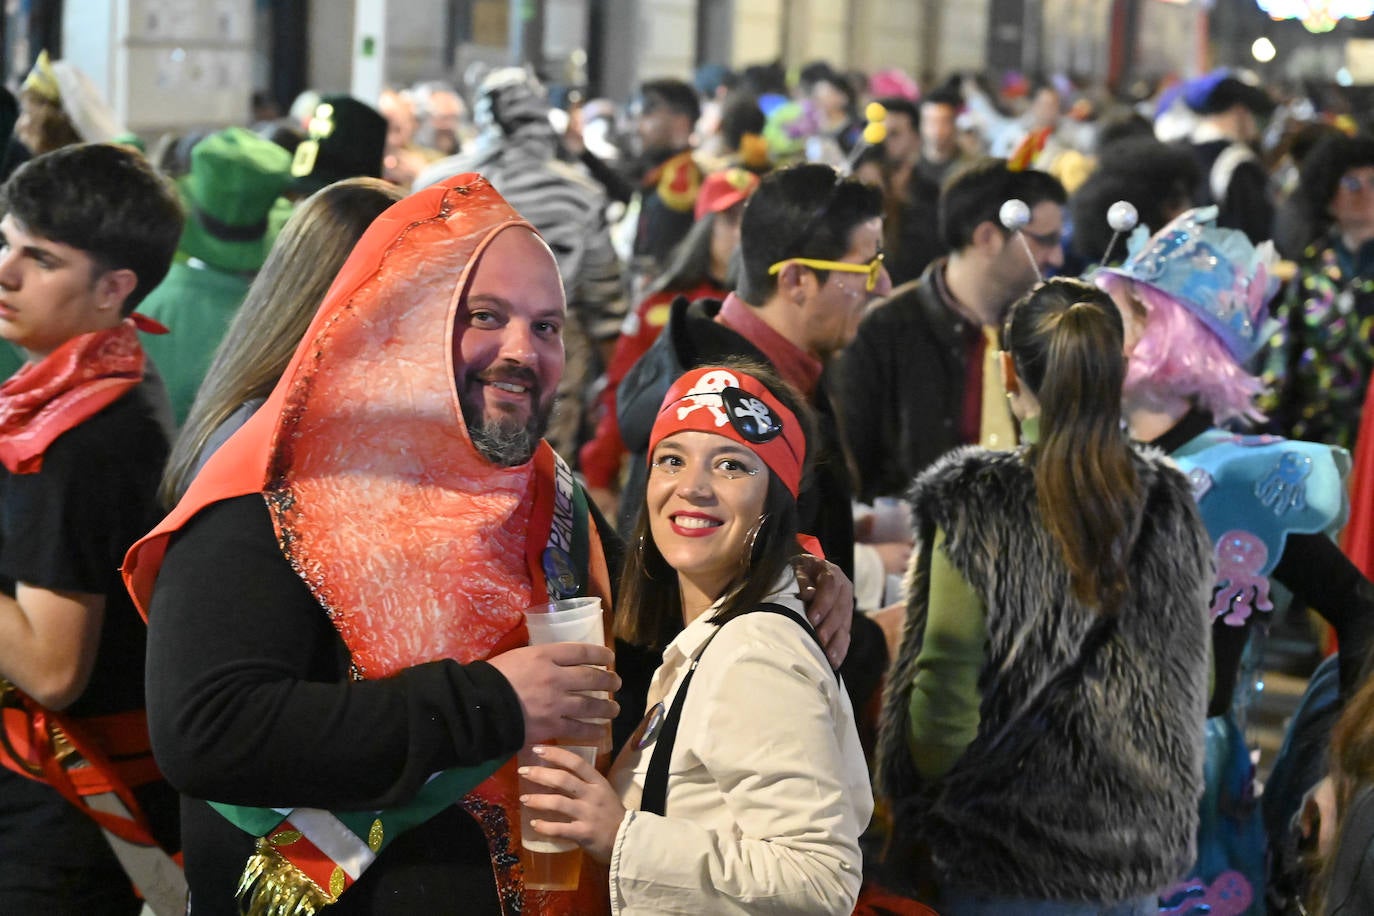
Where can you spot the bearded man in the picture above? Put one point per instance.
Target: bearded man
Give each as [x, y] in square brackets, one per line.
[337, 612]
[335, 607]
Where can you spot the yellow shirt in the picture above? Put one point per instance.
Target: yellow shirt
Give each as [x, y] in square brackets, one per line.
[996, 429]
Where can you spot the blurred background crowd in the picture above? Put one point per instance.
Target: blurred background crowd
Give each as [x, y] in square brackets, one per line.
[640, 195]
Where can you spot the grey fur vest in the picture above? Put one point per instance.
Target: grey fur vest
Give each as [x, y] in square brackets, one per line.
[1089, 793]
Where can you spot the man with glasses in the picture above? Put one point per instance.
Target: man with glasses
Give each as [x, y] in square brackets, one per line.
[921, 376]
[810, 264]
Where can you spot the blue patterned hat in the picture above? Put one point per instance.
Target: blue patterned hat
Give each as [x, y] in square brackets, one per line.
[1214, 273]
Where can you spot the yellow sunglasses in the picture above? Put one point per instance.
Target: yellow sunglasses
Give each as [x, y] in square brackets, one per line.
[873, 268]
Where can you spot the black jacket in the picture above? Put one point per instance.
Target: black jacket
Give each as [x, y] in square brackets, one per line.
[901, 386]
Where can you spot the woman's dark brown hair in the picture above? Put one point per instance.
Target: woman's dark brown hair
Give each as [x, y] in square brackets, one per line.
[649, 603]
[1065, 338]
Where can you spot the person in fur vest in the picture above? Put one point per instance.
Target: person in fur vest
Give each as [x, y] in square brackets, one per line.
[1041, 741]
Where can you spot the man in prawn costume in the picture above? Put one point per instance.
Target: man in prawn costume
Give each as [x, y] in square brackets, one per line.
[337, 656]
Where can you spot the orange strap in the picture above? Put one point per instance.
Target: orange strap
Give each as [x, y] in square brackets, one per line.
[83, 757]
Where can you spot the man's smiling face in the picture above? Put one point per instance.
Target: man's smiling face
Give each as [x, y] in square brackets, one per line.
[508, 346]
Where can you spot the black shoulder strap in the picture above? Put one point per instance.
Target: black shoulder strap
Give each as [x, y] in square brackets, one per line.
[655, 797]
[799, 621]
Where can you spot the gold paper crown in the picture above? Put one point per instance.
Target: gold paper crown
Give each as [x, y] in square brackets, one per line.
[42, 80]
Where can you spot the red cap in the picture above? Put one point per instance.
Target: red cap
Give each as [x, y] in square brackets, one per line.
[729, 403]
[722, 190]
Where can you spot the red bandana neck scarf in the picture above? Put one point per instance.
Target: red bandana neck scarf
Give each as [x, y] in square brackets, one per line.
[73, 383]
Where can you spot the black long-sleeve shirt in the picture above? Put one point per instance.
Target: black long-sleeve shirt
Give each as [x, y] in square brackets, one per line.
[250, 702]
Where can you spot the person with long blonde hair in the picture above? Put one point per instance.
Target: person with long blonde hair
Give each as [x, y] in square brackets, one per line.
[283, 299]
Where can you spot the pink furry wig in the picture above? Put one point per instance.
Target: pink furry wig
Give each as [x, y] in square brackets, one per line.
[1178, 356]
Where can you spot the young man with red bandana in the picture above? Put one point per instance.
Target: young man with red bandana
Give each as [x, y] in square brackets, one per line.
[88, 231]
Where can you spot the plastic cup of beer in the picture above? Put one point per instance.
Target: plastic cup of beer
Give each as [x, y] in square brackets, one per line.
[550, 864]
[570, 620]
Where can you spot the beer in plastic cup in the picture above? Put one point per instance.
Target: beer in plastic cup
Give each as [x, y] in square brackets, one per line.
[566, 620]
[552, 864]
[549, 864]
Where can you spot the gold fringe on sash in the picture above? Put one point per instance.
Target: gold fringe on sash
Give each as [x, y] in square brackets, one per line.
[272, 886]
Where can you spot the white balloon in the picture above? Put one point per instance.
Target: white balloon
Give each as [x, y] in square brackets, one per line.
[1122, 216]
[1014, 214]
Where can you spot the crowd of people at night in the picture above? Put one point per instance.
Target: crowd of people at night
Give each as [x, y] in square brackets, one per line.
[958, 443]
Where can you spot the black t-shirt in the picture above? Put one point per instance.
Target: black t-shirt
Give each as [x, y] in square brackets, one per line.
[66, 528]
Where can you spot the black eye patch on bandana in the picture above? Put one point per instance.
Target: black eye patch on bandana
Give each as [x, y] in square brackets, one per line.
[750, 416]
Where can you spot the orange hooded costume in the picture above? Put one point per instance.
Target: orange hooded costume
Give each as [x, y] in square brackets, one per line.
[415, 546]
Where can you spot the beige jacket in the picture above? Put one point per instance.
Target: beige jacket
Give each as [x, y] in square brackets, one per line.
[767, 790]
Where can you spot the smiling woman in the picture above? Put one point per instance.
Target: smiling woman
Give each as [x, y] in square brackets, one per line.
[749, 794]
[705, 507]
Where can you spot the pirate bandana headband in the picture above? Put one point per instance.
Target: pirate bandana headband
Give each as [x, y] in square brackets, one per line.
[729, 403]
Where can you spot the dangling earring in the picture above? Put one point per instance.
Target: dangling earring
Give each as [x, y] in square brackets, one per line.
[748, 556]
[644, 559]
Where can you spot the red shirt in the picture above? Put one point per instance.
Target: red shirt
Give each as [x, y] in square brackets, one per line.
[796, 366]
